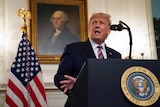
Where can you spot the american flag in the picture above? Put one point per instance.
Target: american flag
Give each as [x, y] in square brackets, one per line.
[25, 86]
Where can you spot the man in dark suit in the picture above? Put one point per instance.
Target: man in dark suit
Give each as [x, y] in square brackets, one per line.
[76, 54]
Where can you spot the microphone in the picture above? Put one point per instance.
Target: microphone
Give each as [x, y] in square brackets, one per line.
[118, 27]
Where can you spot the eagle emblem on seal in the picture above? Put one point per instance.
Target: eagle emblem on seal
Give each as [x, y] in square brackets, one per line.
[140, 86]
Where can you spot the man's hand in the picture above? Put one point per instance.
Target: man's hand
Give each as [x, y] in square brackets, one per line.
[68, 83]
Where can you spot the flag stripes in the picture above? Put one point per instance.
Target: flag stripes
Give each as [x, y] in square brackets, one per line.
[14, 92]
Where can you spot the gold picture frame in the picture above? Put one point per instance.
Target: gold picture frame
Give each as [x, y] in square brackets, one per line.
[42, 10]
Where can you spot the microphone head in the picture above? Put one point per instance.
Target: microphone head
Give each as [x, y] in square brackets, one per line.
[118, 27]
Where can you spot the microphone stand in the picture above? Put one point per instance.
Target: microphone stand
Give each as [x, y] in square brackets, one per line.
[130, 36]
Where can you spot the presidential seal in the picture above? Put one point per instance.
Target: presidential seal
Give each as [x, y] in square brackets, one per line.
[140, 86]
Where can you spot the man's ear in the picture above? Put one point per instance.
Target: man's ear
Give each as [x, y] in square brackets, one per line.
[109, 30]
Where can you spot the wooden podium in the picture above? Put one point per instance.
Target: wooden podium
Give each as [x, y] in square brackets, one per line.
[100, 84]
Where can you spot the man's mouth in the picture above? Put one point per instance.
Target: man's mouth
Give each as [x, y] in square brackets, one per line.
[97, 32]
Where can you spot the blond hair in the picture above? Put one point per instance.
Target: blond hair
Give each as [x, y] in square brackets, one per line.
[105, 15]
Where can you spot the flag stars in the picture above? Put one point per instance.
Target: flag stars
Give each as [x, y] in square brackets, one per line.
[20, 49]
[32, 58]
[26, 80]
[22, 69]
[24, 48]
[32, 53]
[26, 74]
[29, 53]
[17, 70]
[24, 38]
[32, 63]
[36, 68]
[19, 54]
[31, 74]
[36, 63]
[32, 69]
[24, 43]
[24, 53]
[18, 65]
[23, 59]
[23, 64]
[19, 60]
[22, 75]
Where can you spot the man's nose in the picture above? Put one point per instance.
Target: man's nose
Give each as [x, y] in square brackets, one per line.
[97, 24]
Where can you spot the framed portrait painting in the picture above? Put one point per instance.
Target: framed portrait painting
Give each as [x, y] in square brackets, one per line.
[54, 24]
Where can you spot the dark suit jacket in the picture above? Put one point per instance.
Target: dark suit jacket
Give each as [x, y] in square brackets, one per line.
[74, 57]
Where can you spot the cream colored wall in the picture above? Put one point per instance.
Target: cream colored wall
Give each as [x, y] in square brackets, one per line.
[10, 34]
[135, 13]
[1, 35]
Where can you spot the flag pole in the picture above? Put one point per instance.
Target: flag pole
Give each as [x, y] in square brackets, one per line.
[26, 15]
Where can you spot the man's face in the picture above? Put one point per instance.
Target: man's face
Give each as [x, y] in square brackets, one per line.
[99, 29]
[57, 20]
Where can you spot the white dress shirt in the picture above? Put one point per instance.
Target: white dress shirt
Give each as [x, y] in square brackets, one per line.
[95, 49]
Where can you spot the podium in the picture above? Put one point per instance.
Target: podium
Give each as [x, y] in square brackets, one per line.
[99, 83]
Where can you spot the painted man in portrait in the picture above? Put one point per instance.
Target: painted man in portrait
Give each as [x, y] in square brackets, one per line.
[61, 35]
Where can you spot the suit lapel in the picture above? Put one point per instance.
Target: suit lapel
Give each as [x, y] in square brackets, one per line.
[109, 53]
[88, 49]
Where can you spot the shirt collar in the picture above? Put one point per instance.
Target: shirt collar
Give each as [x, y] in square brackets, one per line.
[94, 45]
